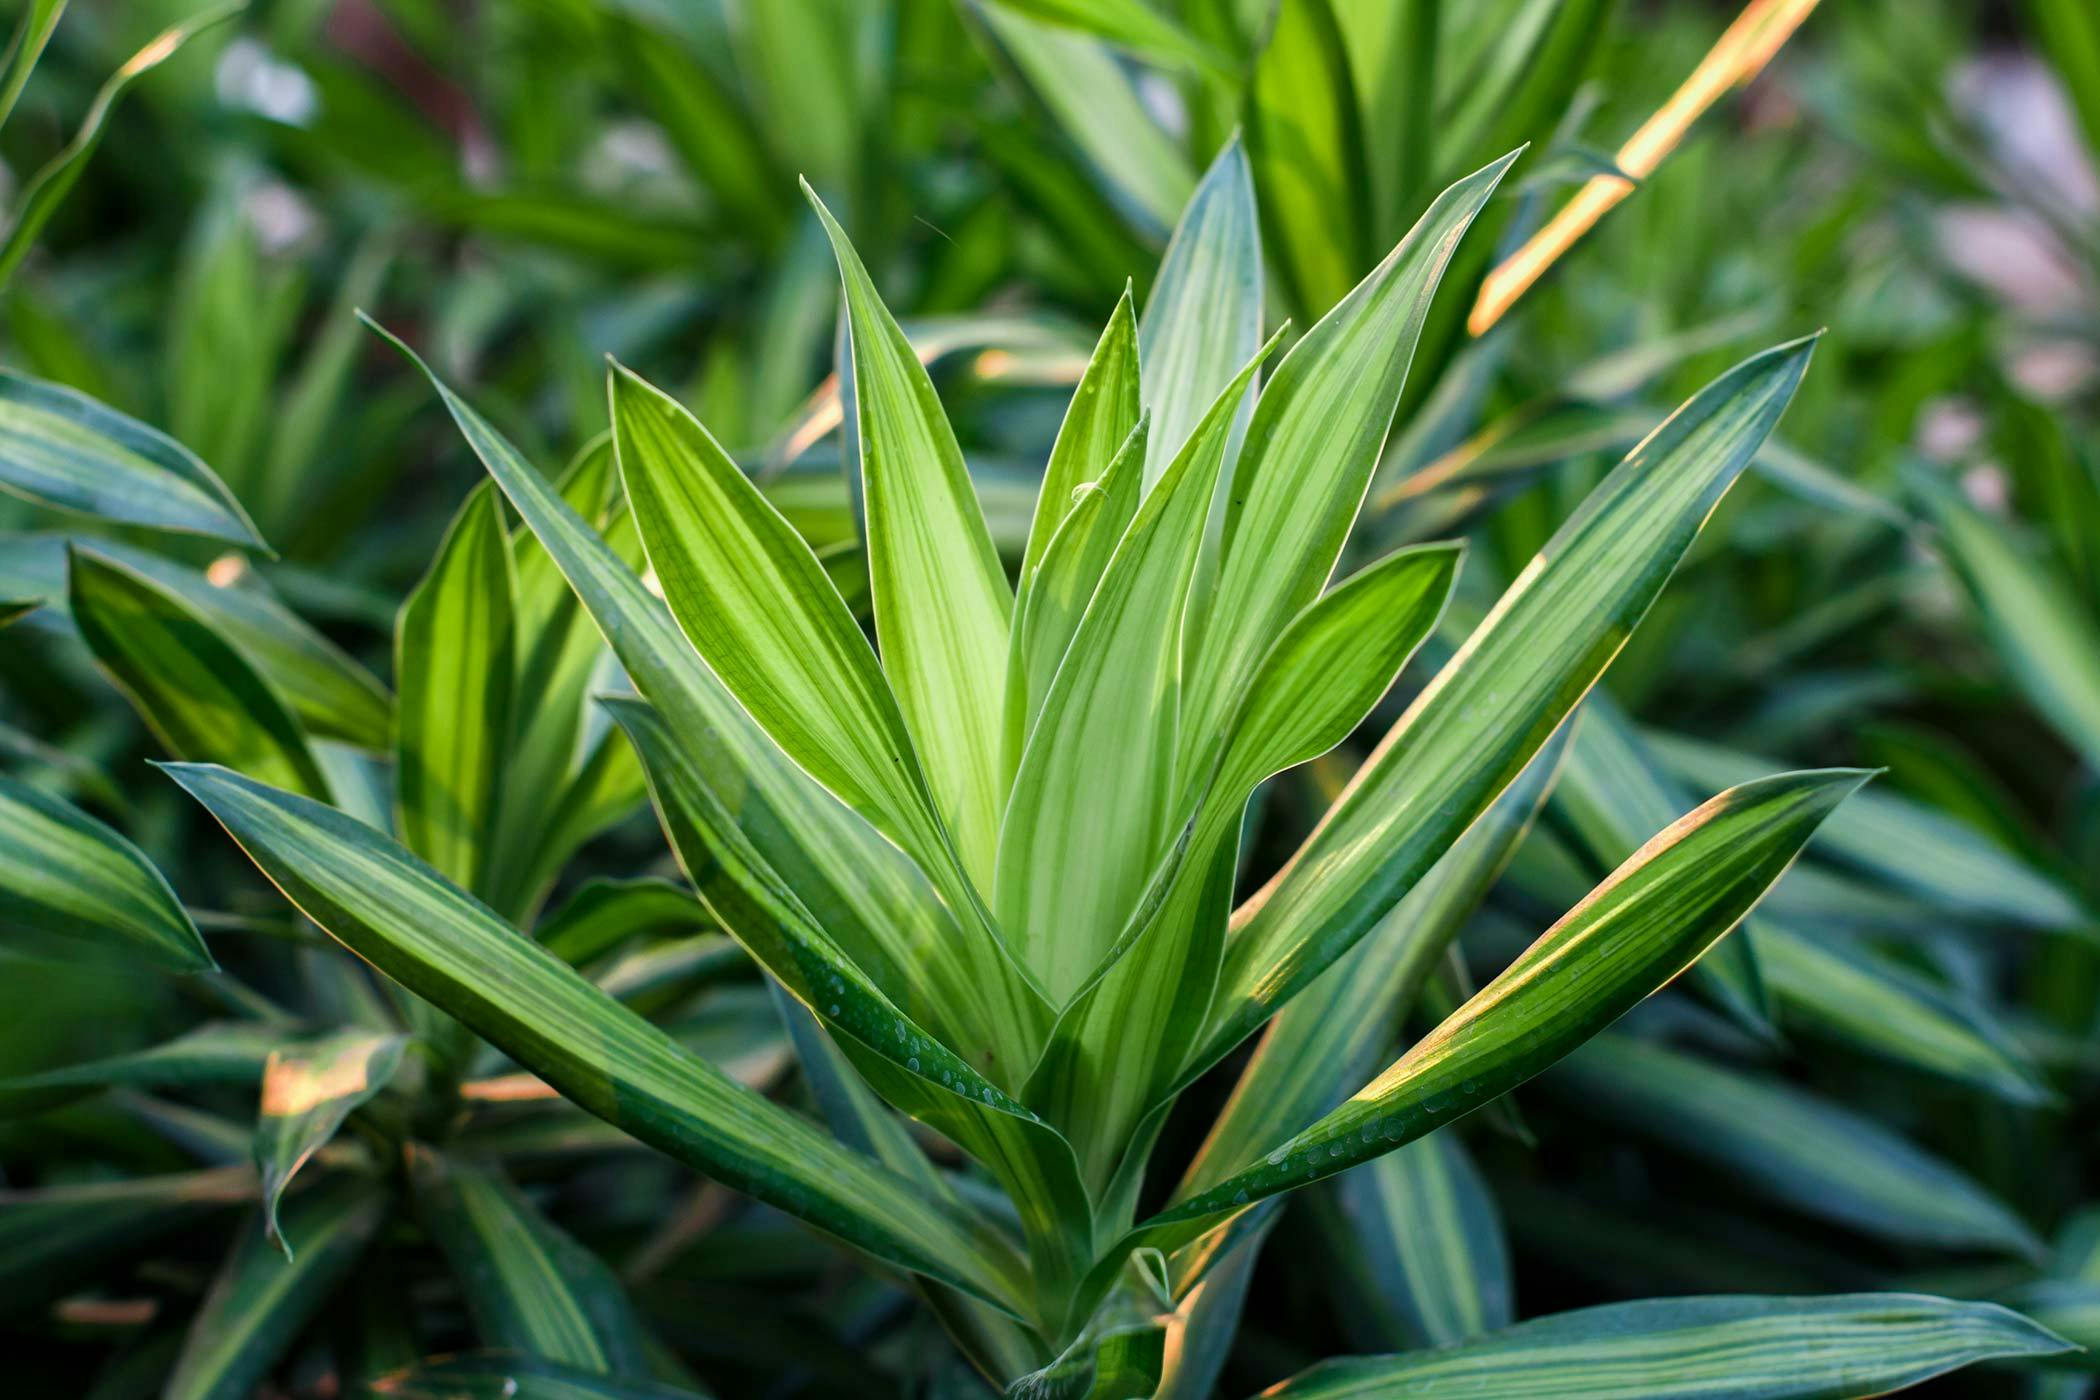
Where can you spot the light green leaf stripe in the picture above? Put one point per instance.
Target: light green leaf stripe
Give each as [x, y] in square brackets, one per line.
[755, 603]
[1491, 707]
[2049, 644]
[1645, 924]
[1311, 447]
[671, 675]
[455, 663]
[1727, 1348]
[198, 695]
[1103, 410]
[433, 938]
[307, 1091]
[63, 872]
[529, 1286]
[1791, 1146]
[1095, 788]
[62, 449]
[1203, 319]
[260, 1302]
[942, 604]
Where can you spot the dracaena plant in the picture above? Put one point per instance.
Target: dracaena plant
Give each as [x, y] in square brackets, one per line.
[991, 855]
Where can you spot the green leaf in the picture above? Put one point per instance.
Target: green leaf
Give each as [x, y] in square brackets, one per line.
[58, 1236]
[1330, 1037]
[231, 1053]
[2047, 642]
[198, 695]
[1305, 139]
[1845, 990]
[62, 449]
[605, 913]
[530, 1287]
[1203, 319]
[1645, 924]
[308, 1090]
[1791, 1146]
[1904, 842]
[990, 994]
[1742, 1347]
[506, 1376]
[942, 604]
[32, 31]
[1311, 447]
[1095, 788]
[1100, 416]
[455, 663]
[50, 185]
[66, 874]
[1488, 711]
[260, 1302]
[755, 603]
[1421, 1256]
[1115, 1050]
[433, 938]
[1129, 24]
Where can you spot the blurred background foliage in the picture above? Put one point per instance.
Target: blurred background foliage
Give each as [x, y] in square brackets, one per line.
[1900, 1094]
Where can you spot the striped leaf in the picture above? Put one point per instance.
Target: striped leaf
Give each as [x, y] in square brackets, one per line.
[260, 1302]
[433, 938]
[1103, 410]
[308, 1090]
[62, 449]
[1743, 1348]
[603, 914]
[1512, 683]
[530, 1287]
[455, 665]
[509, 1376]
[58, 1236]
[1645, 924]
[67, 875]
[228, 1053]
[942, 604]
[1790, 1145]
[197, 694]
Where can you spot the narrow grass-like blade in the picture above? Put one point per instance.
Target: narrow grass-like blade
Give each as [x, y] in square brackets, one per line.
[530, 1287]
[50, 185]
[32, 31]
[63, 872]
[603, 914]
[1649, 921]
[1103, 410]
[942, 604]
[1492, 706]
[1203, 319]
[1790, 1145]
[436, 940]
[1310, 449]
[228, 1053]
[62, 449]
[198, 695]
[1420, 1258]
[455, 665]
[308, 1089]
[751, 597]
[2049, 644]
[1742, 1347]
[1137, 27]
[260, 1302]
